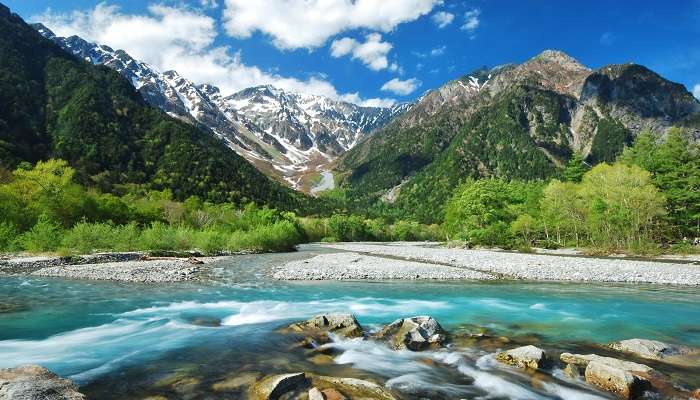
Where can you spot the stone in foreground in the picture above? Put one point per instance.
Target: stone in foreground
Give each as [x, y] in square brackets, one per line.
[529, 357]
[625, 379]
[621, 383]
[32, 382]
[272, 387]
[651, 349]
[342, 325]
[343, 388]
[415, 333]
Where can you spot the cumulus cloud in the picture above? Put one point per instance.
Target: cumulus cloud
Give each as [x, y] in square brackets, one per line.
[373, 52]
[471, 20]
[696, 91]
[294, 24]
[442, 18]
[182, 39]
[402, 88]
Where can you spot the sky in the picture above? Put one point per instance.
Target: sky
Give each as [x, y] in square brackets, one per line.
[376, 52]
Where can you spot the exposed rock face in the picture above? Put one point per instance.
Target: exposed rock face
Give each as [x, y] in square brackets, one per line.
[272, 128]
[524, 357]
[32, 382]
[627, 380]
[342, 325]
[620, 382]
[651, 349]
[415, 333]
[272, 387]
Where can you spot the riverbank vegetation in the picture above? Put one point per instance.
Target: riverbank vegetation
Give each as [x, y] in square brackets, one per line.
[646, 202]
[648, 198]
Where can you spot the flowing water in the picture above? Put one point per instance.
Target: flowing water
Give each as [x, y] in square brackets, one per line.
[180, 340]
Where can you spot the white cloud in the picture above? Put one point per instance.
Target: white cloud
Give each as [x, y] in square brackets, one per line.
[438, 51]
[373, 52]
[182, 39]
[402, 88]
[442, 18]
[696, 91]
[294, 24]
[471, 20]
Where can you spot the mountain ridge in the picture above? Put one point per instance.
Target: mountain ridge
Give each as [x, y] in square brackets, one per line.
[54, 105]
[515, 121]
[295, 133]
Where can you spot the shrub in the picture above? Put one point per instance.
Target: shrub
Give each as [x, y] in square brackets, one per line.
[85, 237]
[8, 235]
[42, 237]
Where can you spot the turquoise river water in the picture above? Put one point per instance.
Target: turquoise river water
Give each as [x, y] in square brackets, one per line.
[120, 341]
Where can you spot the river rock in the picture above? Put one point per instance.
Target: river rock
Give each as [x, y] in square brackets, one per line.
[32, 382]
[625, 379]
[342, 325]
[621, 383]
[272, 387]
[415, 333]
[524, 357]
[332, 394]
[652, 349]
[315, 394]
[343, 388]
[582, 360]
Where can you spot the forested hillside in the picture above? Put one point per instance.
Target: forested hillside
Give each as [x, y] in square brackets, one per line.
[516, 122]
[55, 106]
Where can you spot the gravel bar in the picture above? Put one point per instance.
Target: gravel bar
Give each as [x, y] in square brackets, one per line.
[537, 267]
[352, 266]
[133, 271]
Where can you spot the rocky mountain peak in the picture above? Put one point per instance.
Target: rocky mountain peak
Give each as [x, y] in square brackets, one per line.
[559, 57]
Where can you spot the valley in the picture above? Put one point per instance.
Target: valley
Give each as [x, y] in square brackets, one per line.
[317, 200]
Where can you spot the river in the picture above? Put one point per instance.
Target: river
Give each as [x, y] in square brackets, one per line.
[178, 340]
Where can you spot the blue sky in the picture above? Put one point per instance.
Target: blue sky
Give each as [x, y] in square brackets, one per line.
[377, 51]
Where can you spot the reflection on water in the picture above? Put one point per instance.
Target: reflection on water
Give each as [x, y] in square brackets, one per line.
[187, 339]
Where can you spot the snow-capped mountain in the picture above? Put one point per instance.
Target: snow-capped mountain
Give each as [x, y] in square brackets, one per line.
[285, 134]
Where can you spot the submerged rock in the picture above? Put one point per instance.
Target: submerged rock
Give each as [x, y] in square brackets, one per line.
[32, 382]
[652, 349]
[620, 382]
[342, 325]
[415, 333]
[272, 387]
[524, 357]
[625, 379]
[235, 382]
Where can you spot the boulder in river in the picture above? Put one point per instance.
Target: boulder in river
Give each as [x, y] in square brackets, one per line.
[654, 350]
[343, 388]
[341, 325]
[530, 357]
[272, 387]
[618, 381]
[31, 382]
[625, 379]
[415, 333]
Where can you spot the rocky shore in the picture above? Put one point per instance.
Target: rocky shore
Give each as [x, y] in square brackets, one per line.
[124, 267]
[401, 259]
[353, 266]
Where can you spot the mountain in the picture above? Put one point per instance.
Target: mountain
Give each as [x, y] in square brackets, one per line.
[284, 134]
[53, 105]
[517, 121]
